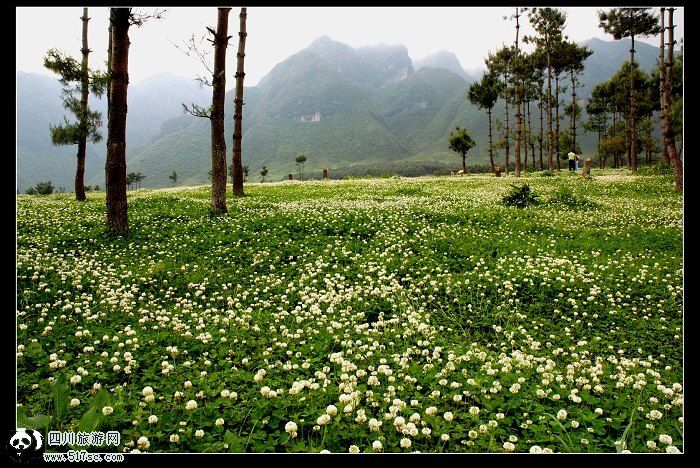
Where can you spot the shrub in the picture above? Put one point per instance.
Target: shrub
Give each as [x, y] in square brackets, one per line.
[44, 188]
[521, 197]
[30, 191]
[547, 173]
[566, 197]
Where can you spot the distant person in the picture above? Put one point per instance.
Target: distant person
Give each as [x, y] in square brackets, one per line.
[576, 165]
[572, 160]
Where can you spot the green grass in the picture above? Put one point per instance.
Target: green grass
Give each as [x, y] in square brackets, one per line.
[385, 298]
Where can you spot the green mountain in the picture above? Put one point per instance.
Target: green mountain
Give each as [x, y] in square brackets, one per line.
[152, 103]
[444, 59]
[340, 106]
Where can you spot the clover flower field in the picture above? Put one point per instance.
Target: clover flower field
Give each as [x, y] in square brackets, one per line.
[385, 315]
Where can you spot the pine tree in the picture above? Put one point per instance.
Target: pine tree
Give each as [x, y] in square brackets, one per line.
[630, 22]
[77, 133]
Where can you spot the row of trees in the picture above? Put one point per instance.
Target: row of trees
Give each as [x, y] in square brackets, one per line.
[521, 79]
[78, 79]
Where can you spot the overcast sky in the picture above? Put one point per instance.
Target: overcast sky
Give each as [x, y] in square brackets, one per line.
[275, 33]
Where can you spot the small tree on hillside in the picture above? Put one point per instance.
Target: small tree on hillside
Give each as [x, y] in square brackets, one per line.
[173, 178]
[300, 159]
[263, 173]
[461, 142]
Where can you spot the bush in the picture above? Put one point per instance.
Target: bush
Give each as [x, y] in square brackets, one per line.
[30, 191]
[566, 197]
[44, 188]
[521, 197]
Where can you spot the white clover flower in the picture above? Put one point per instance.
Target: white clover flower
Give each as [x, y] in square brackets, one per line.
[535, 449]
[323, 419]
[474, 410]
[143, 443]
[325, 451]
[574, 424]
[651, 444]
[191, 405]
[291, 428]
[225, 393]
[445, 437]
[219, 422]
[508, 446]
[599, 411]
[331, 410]
[74, 402]
[354, 449]
[174, 438]
[561, 414]
[75, 379]
[672, 449]
[374, 425]
[199, 433]
[107, 410]
[152, 419]
[147, 391]
[431, 410]
[665, 439]
[448, 416]
[377, 446]
[405, 443]
[399, 422]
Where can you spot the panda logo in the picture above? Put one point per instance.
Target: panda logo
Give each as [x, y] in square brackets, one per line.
[25, 444]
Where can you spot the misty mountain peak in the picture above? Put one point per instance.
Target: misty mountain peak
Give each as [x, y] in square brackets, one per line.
[443, 59]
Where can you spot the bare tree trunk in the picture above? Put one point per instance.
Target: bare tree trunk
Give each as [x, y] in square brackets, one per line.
[556, 141]
[529, 136]
[541, 139]
[218, 140]
[464, 163]
[84, 91]
[507, 157]
[115, 166]
[550, 130]
[669, 137]
[633, 112]
[518, 104]
[490, 141]
[238, 115]
[662, 81]
[573, 108]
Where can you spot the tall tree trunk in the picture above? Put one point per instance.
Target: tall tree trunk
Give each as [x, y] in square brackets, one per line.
[490, 141]
[556, 106]
[600, 157]
[573, 108]
[550, 130]
[464, 163]
[662, 81]
[507, 160]
[633, 112]
[530, 140]
[218, 140]
[84, 91]
[115, 166]
[541, 139]
[518, 104]
[238, 115]
[669, 137]
[109, 68]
